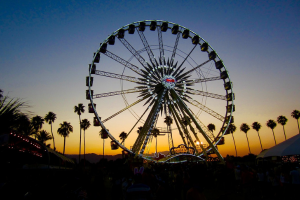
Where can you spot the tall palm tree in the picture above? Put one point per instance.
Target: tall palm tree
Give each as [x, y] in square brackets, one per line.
[123, 136]
[43, 136]
[282, 120]
[155, 133]
[78, 110]
[231, 129]
[37, 123]
[102, 132]
[64, 130]
[256, 126]
[272, 124]
[169, 121]
[245, 128]
[296, 114]
[211, 127]
[50, 118]
[85, 124]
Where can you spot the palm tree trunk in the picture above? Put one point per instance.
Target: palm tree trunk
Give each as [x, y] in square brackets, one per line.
[156, 146]
[53, 138]
[103, 148]
[234, 145]
[259, 141]
[248, 144]
[84, 149]
[274, 136]
[298, 125]
[64, 145]
[284, 132]
[79, 138]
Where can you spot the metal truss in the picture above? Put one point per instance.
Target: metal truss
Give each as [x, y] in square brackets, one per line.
[123, 62]
[118, 76]
[206, 109]
[175, 47]
[154, 119]
[117, 93]
[199, 80]
[206, 94]
[119, 112]
[161, 45]
[146, 45]
[133, 51]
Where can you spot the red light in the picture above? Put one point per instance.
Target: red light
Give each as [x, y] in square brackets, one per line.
[170, 80]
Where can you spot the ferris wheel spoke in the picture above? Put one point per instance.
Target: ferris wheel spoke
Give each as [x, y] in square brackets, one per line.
[126, 108]
[202, 93]
[187, 56]
[119, 76]
[206, 109]
[134, 90]
[138, 121]
[182, 76]
[134, 52]
[147, 47]
[123, 62]
[199, 80]
[161, 46]
[175, 48]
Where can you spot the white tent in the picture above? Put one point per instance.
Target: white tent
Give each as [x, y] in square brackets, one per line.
[288, 147]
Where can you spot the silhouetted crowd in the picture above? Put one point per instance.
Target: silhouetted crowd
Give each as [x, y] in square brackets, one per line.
[121, 180]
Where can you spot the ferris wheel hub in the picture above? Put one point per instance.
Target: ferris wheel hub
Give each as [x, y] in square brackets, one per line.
[168, 81]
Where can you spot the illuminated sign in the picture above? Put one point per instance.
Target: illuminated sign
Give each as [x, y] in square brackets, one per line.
[182, 149]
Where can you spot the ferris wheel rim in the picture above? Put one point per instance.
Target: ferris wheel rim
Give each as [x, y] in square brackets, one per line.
[220, 135]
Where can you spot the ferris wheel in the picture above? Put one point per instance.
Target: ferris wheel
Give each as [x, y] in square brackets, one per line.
[156, 78]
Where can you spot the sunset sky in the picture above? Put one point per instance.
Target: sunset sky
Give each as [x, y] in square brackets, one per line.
[46, 47]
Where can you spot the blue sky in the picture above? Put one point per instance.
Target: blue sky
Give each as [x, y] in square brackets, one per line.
[46, 47]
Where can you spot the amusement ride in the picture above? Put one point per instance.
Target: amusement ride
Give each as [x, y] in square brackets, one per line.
[162, 79]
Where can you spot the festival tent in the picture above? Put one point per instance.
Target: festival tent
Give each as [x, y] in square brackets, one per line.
[286, 148]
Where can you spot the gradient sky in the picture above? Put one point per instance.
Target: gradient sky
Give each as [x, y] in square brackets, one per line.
[46, 47]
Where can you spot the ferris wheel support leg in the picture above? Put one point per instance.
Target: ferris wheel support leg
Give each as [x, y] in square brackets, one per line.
[199, 128]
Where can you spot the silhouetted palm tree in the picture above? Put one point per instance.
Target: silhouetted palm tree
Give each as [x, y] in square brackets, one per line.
[23, 125]
[78, 110]
[85, 124]
[296, 114]
[211, 127]
[43, 136]
[64, 130]
[256, 126]
[155, 133]
[245, 128]
[123, 136]
[169, 121]
[10, 110]
[50, 118]
[272, 124]
[37, 123]
[231, 129]
[282, 120]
